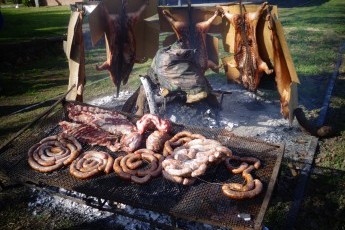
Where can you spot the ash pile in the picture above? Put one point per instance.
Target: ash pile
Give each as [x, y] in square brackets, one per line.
[241, 112]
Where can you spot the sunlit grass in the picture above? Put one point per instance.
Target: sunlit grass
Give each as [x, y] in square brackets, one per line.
[314, 35]
[26, 23]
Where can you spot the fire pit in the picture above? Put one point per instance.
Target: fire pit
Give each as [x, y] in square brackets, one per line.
[202, 201]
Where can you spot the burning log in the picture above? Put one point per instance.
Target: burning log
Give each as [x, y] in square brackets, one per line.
[310, 127]
[149, 95]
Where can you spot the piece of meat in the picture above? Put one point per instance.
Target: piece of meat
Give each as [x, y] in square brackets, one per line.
[131, 141]
[109, 126]
[91, 135]
[193, 36]
[155, 141]
[110, 121]
[119, 31]
[247, 57]
[281, 71]
[151, 121]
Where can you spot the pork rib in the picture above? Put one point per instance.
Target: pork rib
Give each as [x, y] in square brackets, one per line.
[91, 135]
[110, 121]
[107, 121]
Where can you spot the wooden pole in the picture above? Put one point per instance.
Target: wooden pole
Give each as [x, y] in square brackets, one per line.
[81, 73]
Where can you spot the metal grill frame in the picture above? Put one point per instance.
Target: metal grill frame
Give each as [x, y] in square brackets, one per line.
[14, 164]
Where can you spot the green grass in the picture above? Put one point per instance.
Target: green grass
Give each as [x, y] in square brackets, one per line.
[314, 35]
[26, 23]
[37, 81]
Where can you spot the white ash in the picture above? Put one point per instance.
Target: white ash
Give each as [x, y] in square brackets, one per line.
[44, 202]
[242, 112]
[245, 114]
[108, 101]
[41, 200]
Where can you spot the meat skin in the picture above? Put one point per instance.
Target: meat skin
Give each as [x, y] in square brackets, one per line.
[119, 31]
[247, 57]
[194, 37]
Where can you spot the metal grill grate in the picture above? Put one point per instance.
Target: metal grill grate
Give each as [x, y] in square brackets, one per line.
[203, 201]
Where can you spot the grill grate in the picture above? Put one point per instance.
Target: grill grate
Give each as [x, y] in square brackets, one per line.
[203, 201]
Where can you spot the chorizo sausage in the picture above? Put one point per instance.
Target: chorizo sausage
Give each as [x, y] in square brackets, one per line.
[53, 152]
[239, 195]
[90, 164]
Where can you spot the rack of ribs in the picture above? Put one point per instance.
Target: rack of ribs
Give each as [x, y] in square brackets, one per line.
[103, 121]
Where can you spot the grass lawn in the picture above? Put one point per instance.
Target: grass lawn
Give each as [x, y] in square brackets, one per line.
[26, 23]
[314, 33]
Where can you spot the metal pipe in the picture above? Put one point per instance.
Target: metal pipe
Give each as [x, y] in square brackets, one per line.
[323, 113]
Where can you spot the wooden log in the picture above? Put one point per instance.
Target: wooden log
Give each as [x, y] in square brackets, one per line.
[141, 102]
[130, 102]
[149, 95]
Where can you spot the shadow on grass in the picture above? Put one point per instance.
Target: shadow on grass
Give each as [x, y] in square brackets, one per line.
[13, 87]
[323, 205]
[7, 110]
[28, 53]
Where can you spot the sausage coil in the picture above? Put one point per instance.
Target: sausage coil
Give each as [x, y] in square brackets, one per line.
[53, 152]
[239, 195]
[91, 163]
[179, 139]
[250, 189]
[131, 167]
[188, 157]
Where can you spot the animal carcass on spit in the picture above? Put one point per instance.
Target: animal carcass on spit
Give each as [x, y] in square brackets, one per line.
[247, 58]
[121, 42]
[193, 34]
[262, 34]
